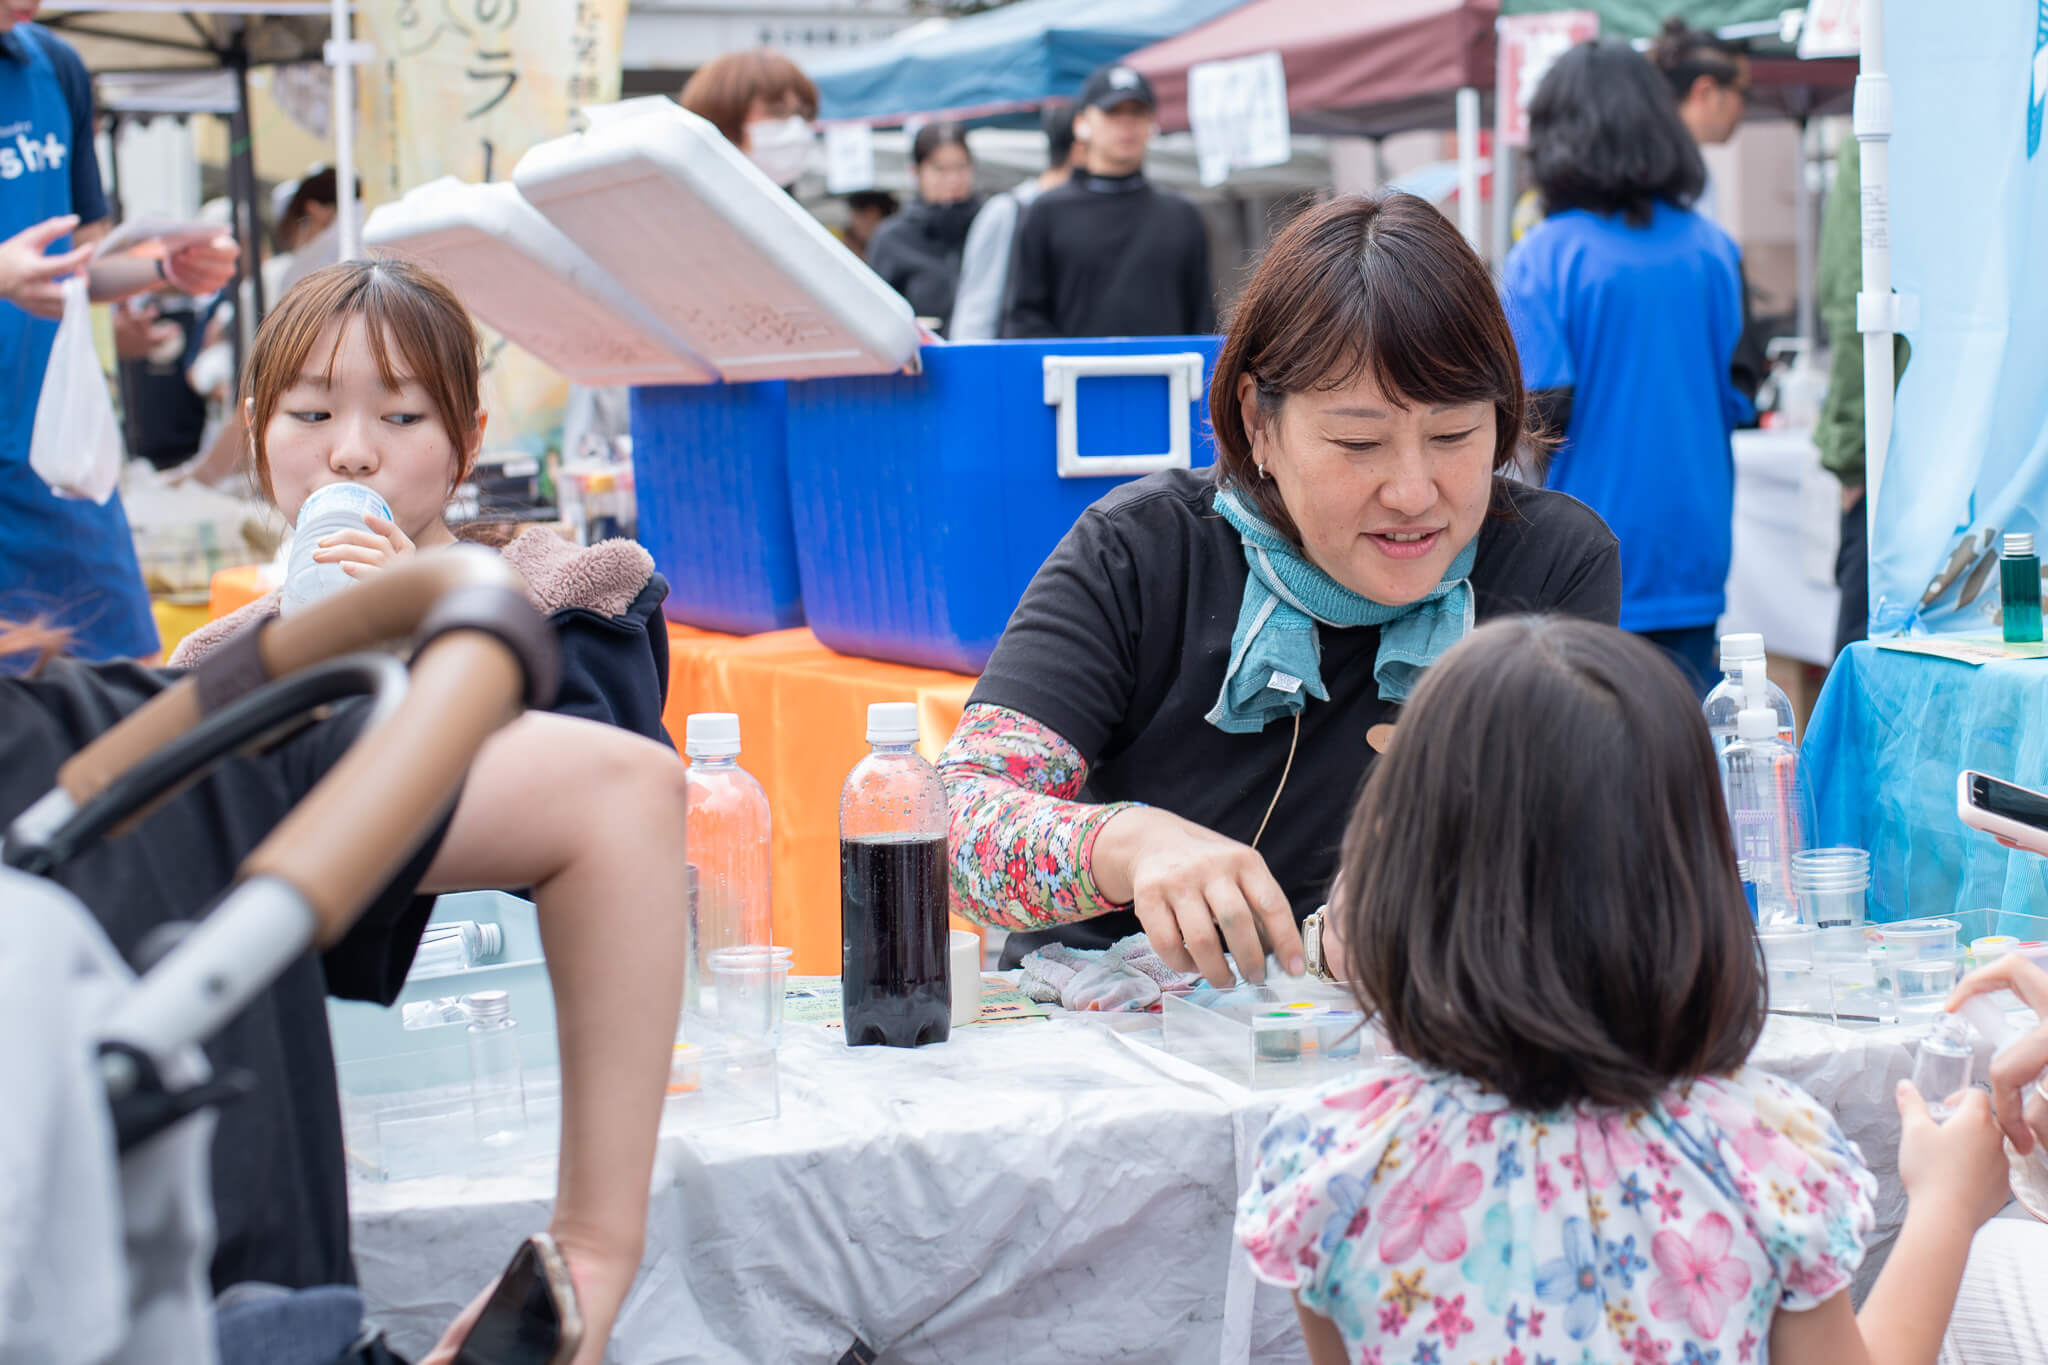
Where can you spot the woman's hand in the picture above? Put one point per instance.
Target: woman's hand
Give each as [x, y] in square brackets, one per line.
[204, 267]
[31, 280]
[1196, 894]
[2022, 1109]
[601, 1279]
[365, 552]
[1957, 1166]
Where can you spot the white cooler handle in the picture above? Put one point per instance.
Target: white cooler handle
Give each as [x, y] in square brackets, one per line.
[1063, 374]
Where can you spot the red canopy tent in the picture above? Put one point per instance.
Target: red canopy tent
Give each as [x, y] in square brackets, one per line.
[1378, 67]
[1368, 67]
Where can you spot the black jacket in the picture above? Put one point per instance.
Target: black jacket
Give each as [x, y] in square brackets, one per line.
[603, 600]
[918, 253]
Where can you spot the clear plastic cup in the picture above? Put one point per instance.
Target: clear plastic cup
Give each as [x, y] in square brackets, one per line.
[1341, 1033]
[1911, 938]
[1832, 886]
[749, 981]
[1923, 984]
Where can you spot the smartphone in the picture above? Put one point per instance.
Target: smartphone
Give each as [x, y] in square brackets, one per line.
[2014, 815]
[531, 1318]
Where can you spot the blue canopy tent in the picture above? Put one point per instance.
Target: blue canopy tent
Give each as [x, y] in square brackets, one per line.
[1000, 62]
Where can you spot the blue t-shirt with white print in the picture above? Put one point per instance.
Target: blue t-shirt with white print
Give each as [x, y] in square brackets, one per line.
[64, 560]
[1641, 323]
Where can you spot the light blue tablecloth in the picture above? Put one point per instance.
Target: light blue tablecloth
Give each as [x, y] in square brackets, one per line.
[1888, 737]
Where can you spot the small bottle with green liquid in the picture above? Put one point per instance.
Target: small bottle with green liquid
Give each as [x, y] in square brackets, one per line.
[2019, 589]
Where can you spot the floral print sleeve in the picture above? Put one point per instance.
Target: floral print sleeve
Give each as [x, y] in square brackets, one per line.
[1021, 844]
[1430, 1222]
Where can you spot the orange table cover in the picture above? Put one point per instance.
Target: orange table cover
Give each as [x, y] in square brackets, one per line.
[803, 725]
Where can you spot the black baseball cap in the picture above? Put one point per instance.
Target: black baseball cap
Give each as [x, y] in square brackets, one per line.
[1116, 84]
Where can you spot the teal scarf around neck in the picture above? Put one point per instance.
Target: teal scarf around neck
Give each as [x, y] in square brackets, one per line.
[1275, 653]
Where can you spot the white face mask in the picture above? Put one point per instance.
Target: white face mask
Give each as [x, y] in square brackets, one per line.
[780, 147]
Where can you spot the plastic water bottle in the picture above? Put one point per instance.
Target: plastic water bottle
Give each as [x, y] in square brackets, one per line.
[497, 1084]
[1768, 812]
[729, 838]
[893, 890]
[1724, 703]
[1943, 1063]
[337, 507]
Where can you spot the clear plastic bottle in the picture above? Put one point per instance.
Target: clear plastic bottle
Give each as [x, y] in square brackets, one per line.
[729, 840]
[335, 507]
[1768, 811]
[497, 1084]
[893, 890]
[1724, 703]
[1943, 1063]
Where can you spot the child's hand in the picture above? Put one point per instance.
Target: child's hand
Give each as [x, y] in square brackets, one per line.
[365, 552]
[1958, 1165]
[2018, 1069]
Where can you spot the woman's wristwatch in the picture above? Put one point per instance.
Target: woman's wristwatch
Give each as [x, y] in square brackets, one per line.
[1312, 945]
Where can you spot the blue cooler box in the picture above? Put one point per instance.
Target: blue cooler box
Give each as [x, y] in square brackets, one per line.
[711, 484]
[923, 504]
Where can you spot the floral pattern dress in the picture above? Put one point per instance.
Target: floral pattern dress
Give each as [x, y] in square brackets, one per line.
[1434, 1225]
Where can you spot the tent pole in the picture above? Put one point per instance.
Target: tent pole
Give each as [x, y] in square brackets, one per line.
[114, 164]
[1468, 165]
[1875, 313]
[341, 57]
[1503, 178]
[1802, 239]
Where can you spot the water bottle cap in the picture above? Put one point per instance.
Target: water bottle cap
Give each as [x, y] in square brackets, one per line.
[711, 734]
[1736, 648]
[484, 1005]
[1754, 724]
[2019, 544]
[892, 722]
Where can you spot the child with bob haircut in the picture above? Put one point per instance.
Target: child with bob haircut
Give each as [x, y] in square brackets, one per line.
[370, 372]
[1569, 1160]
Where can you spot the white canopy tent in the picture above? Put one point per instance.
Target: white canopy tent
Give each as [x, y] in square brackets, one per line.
[125, 41]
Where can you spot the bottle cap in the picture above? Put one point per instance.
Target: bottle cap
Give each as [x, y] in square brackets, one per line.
[1753, 724]
[711, 734]
[1736, 648]
[892, 722]
[485, 1005]
[2018, 544]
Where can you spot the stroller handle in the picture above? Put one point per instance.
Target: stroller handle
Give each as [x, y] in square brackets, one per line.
[483, 653]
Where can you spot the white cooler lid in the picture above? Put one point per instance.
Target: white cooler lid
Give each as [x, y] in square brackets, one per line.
[515, 270]
[732, 264]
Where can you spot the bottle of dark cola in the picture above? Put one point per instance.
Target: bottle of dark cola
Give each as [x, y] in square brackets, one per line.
[893, 892]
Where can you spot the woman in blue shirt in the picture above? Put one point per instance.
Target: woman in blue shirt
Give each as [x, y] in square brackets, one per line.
[1627, 308]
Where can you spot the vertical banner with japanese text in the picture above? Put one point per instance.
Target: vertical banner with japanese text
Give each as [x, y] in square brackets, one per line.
[463, 88]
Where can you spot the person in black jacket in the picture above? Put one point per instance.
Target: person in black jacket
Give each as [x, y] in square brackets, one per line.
[1106, 254]
[918, 250]
[369, 373]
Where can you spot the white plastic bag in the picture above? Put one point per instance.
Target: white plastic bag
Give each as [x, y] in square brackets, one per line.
[76, 447]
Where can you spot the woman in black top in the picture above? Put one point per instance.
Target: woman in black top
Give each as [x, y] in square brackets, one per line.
[587, 814]
[918, 251]
[1171, 731]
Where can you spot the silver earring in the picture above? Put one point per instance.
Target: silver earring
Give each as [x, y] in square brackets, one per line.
[1262, 470]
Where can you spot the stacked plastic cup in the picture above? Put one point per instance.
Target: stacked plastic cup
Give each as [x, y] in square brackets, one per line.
[1832, 886]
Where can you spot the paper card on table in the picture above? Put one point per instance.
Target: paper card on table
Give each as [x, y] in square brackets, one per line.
[849, 157]
[1969, 649]
[1237, 111]
[818, 1000]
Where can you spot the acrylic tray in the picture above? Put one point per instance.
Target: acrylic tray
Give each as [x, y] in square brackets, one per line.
[1854, 992]
[405, 1097]
[1243, 1035]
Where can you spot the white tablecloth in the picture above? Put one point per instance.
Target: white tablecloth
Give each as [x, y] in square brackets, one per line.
[1788, 515]
[1046, 1192]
